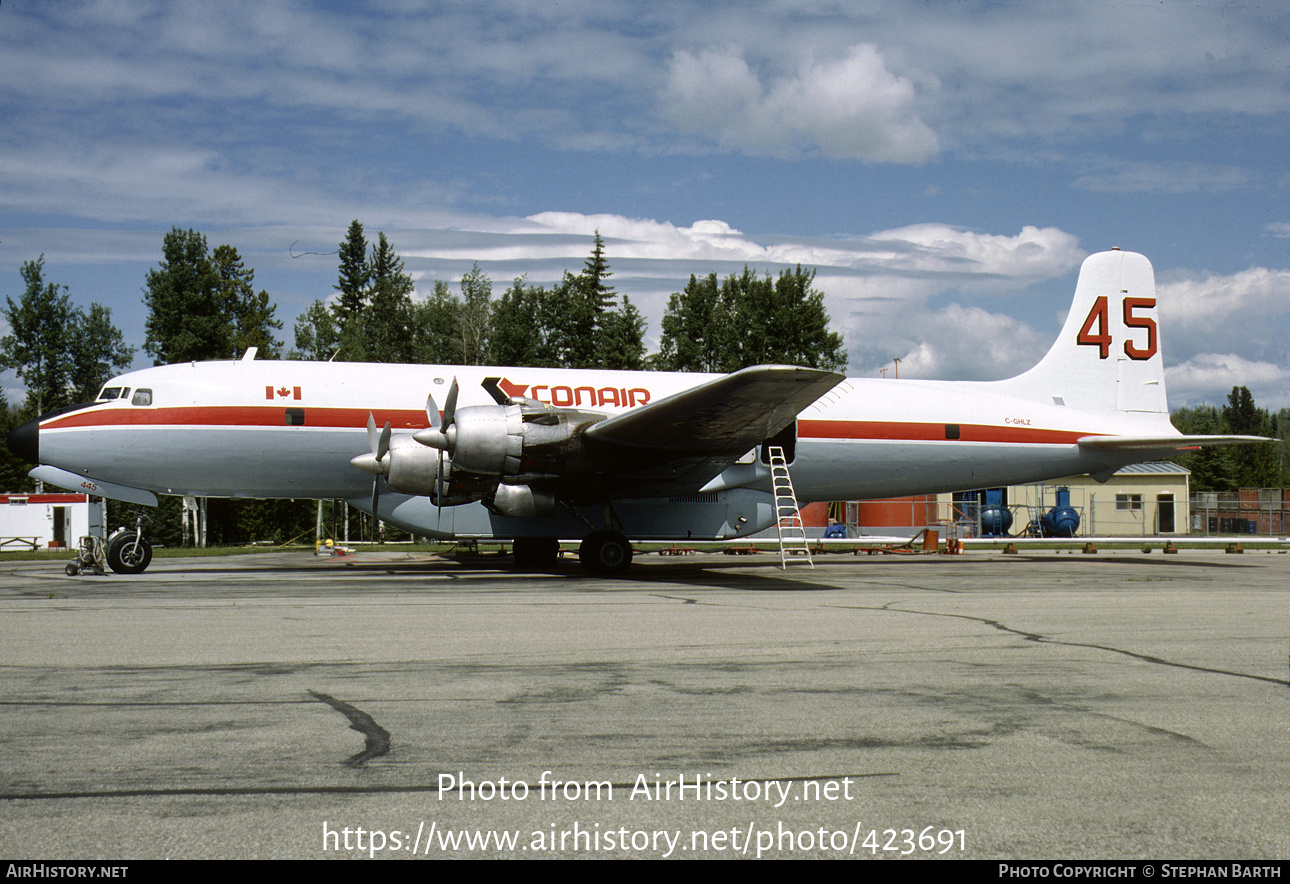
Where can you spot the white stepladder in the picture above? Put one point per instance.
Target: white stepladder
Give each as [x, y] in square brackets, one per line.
[788, 517]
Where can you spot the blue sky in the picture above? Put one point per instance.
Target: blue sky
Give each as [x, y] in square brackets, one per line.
[944, 165]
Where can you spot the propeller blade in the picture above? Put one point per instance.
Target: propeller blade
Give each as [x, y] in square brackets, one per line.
[450, 407]
[432, 413]
[371, 432]
[383, 443]
[376, 493]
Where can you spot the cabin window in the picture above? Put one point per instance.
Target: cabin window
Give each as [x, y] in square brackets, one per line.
[142, 397]
[953, 431]
[295, 417]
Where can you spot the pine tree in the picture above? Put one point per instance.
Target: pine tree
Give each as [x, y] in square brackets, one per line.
[186, 317]
[250, 312]
[389, 312]
[354, 275]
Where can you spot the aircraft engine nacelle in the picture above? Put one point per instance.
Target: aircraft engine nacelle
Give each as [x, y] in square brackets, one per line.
[487, 439]
[522, 501]
[412, 468]
[522, 439]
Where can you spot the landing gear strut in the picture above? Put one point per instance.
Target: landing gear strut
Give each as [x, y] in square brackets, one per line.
[605, 553]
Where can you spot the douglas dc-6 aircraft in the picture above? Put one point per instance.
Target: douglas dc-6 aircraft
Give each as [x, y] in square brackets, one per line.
[534, 454]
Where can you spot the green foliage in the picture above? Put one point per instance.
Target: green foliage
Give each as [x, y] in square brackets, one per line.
[373, 317]
[1234, 467]
[1253, 466]
[518, 336]
[698, 334]
[97, 351]
[202, 306]
[474, 319]
[748, 320]
[352, 285]
[38, 344]
[433, 328]
[13, 472]
[621, 343]
[384, 335]
[317, 334]
[251, 312]
[62, 353]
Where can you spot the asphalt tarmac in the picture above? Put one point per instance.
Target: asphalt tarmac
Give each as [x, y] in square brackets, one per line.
[1041, 706]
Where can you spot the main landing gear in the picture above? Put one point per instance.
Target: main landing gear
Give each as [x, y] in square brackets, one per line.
[605, 553]
[602, 553]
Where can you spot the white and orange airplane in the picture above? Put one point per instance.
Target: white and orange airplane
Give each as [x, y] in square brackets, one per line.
[536, 454]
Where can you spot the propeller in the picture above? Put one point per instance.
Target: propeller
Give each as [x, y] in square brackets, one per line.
[374, 461]
[439, 437]
[440, 434]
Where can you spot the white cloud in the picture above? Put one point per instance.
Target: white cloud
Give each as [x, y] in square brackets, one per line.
[1209, 377]
[1244, 311]
[1007, 262]
[957, 343]
[852, 107]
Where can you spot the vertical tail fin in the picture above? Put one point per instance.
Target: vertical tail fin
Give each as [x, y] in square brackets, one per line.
[1107, 357]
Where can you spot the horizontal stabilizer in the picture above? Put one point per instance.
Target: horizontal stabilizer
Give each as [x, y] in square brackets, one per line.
[1159, 443]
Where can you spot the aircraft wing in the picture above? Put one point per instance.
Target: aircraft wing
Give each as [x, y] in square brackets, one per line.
[1164, 443]
[686, 439]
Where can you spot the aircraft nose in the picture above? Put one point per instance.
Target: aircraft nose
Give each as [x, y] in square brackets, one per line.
[24, 440]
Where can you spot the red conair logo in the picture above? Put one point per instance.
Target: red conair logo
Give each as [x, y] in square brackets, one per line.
[564, 396]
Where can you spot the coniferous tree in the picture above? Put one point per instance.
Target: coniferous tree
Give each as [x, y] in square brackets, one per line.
[389, 311]
[204, 306]
[250, 312]
[186, 317]
[1253, 466]
[520, 331]
[352, 284]
[622, 339]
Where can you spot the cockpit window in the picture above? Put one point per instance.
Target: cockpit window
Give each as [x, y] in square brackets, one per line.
[142, 397]
[110, 393]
